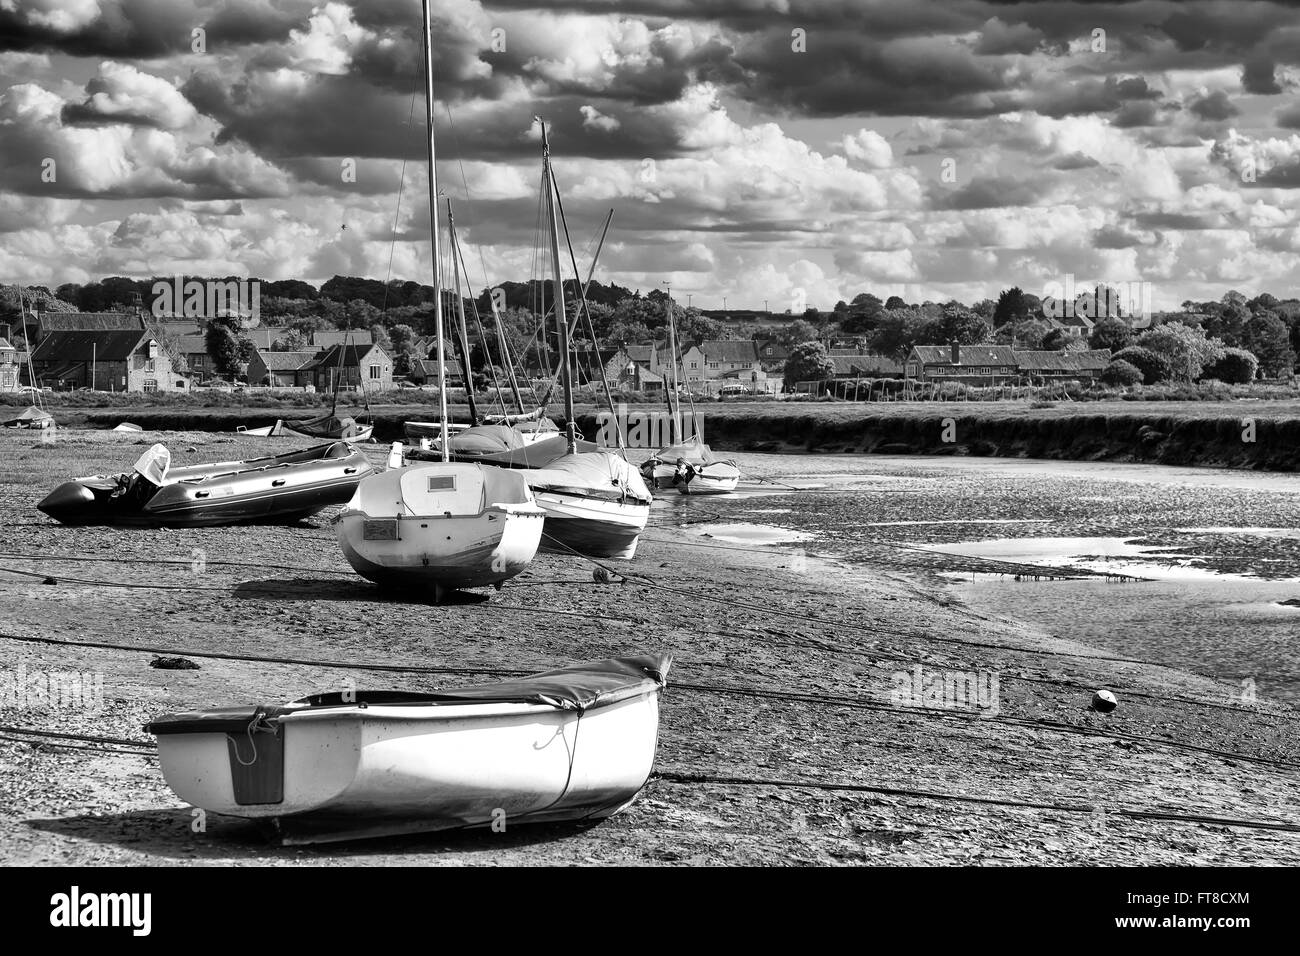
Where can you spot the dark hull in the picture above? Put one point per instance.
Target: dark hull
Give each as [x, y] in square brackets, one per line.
[272, 491]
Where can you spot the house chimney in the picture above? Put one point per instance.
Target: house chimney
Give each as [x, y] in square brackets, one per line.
[956, 353]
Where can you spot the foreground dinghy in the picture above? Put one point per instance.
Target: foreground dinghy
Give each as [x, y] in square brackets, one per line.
[572, 744]
[440, 527]
[282, 489]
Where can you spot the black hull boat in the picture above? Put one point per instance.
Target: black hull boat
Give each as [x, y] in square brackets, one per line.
[280, 490]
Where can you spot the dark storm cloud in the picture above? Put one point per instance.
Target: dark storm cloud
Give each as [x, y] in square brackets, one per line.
[1078, 97]
[1288, 117]
[1214, 107]
[144, 29]
[1285, 176]
[1259, 76]
[1075, 160]
[1115, 237]
[1136, 114]
[1174, 220]
[998, 37]
[992, 193]
[852, 73]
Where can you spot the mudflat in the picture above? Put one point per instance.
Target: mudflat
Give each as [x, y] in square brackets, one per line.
[818, 711]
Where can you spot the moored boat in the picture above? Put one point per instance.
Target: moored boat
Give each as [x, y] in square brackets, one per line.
[707, 474]
[572, 744]
[440, 527]
[330, 426]
[278, 489]
[596, 505]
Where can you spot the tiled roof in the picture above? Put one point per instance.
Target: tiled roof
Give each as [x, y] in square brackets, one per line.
[86, 321]
[284, 361]
[88, 345]
[323, 340]
[730, 351]
[970, 354]
[1093, 359]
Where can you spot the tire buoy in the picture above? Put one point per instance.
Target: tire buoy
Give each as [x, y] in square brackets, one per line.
[1104, 701]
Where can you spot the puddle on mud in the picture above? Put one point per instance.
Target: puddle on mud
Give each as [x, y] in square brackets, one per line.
[756, 534]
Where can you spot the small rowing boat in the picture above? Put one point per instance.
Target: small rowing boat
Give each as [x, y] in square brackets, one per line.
[574, 744]
[279, 489]
[707, 474]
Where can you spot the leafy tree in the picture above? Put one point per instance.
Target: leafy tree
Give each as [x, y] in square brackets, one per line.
[895, 302]
[1268, 337]
[1026, 334]
[1154, 366]
[1120, 372]
[1227, 321]
[798, 332]
[1111, 333]
[1188, 349]
[228, 350]
[809, 362]
[983, 308]
[1261, 301]
[897, 331]
[1237, 367]
[1056, 339]
[1011, 305]
[291, 340]
[957, 323]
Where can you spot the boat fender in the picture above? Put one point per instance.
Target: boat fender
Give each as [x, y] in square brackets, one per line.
[1104, 701]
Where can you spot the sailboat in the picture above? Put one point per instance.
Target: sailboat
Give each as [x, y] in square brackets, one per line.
[689, 465]
[596, 503]
[322, 426]
[445, 525]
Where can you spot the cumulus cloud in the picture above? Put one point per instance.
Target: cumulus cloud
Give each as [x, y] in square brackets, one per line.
[120, 93]
[868, 147]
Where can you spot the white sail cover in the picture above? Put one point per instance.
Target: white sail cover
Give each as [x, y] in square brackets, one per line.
[154, 464]
[694, 451]
[601, 473]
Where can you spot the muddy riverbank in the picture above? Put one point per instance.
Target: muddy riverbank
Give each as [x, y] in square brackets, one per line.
[796, 727]
[1258, 435]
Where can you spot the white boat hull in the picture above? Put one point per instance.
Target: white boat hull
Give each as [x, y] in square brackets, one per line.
[715, 478]
[594, 527]
[398, 533]
[280, 428]
[570, 745]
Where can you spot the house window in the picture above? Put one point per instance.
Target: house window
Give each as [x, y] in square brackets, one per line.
[711, 365]
[148, 365]
[374, 371]
[198, 361]
[150, 385]
[695, 365]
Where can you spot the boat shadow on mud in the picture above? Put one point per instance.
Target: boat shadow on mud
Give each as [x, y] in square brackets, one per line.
[169, 833]
[332, 589]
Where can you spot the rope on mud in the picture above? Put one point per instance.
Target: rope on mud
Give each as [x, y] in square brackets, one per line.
[822, 699]
[62, 579]
[1172, 816]
[169, 561]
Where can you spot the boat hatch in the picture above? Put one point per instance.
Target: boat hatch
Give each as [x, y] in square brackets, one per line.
[379, 529]
[257, 764]
[443, 490]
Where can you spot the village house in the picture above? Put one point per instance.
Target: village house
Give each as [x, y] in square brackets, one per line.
[9, 368]
[996, 364]
[968, 364]
[352, 366]
[866, 365]
[709, 361]
[276, 368]
[424, 372]
[129, 360]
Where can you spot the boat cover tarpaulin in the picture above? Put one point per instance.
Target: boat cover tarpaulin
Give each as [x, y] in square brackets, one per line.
[31, 417]
[576, 687]
[505, 446]
[326, 426]
[600, 473]
[694, 451]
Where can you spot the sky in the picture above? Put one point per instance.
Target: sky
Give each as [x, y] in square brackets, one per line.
[763, 153]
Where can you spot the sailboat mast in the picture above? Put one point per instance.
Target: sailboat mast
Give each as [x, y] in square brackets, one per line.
[433, 224]
[462, 329]
[570, 432]
[675, 405]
